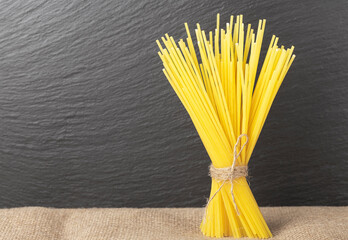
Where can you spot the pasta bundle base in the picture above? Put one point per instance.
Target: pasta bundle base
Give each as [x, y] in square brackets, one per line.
[222, 218]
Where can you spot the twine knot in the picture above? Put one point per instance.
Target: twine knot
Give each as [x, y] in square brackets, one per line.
[228, 174]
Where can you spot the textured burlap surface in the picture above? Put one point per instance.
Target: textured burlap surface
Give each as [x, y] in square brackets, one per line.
[161, 223]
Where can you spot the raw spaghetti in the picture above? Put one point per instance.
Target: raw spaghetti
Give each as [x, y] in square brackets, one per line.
[225, 102]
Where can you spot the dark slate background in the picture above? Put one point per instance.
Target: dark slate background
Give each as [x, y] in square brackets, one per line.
[87, 119]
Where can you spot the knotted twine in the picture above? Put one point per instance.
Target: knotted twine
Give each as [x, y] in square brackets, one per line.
[229, 173]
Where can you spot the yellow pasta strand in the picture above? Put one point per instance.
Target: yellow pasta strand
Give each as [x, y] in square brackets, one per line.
[224, 99]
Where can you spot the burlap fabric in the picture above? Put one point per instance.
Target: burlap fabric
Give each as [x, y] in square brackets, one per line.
[167, 223]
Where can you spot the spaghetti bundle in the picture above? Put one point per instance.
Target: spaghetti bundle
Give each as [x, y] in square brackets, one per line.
[228, 108]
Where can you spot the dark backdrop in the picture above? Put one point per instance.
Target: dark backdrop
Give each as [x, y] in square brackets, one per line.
[87, 119]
